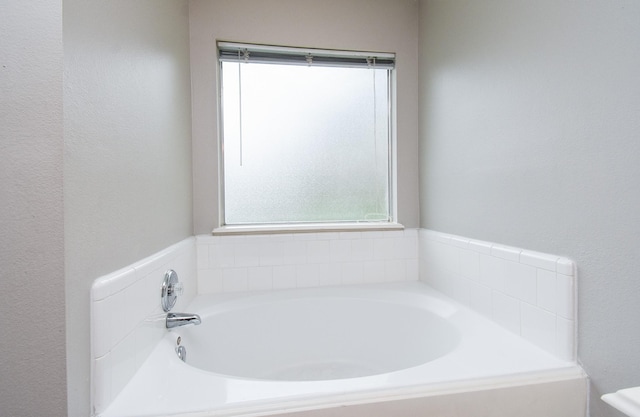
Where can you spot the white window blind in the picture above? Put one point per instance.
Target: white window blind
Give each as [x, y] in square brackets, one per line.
[306, 135]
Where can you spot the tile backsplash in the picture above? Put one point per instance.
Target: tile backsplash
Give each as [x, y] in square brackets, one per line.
[127, 320]
[277, 261]
[529, 293]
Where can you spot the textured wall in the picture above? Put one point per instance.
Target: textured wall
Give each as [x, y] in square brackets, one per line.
[32, 329]
[127, 167]
[529, 137]
[380, 25]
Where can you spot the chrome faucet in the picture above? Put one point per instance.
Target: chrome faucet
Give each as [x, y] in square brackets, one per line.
[181, 319]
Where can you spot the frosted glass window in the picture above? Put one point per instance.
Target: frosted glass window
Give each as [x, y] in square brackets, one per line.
[305, 143]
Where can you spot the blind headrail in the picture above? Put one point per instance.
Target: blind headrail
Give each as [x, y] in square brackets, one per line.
[234, 52]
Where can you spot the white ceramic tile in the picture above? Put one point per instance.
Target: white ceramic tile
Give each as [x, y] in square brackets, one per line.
[460, 242]
[506, 311]
[247, 253]
[234, 280]
[441, 257]
[470, 264]
[539, 327]
[539, 260]
[294, 252]
[140, 301]
[382, 248]
[520, 282]
[156, 261]
[202, 256]
[362, 249]
[272, 253]
[307, 276]
[122, 279]
[546, 289]
[565, 266]
[327, 235]
[352, 273]
[260, 278]
[101, 288]
[305, 236]
[391, 234]
[506, 252]
[373, 271]
[408, 248]
[101, 327]
[340, 250]
[210, 281]
[329, 274]
[480, 298]
[284, 276]
[221, 256]
[565, 336]
[145, 341]
[318, 251]
[370, 234]
[441, 237]
[395, 270]
[451, 258]
[565, 293]
[413, 269]
[493, 272]
[350, 235]
[123, 364]
[460, 289]
[102, 382]
[480, 247]
[119, 315]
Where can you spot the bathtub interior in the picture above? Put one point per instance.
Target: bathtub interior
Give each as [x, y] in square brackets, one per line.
[135, 370]
[315, 335]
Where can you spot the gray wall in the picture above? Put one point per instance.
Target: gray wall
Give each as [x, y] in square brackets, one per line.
[32, 329]
[378, 25]
[127, 154]
[530, 136]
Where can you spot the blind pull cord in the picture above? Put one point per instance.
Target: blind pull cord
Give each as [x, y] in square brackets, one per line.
[242, 54]
[371, 63]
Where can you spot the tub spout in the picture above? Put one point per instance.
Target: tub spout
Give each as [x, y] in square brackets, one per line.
[181, 319]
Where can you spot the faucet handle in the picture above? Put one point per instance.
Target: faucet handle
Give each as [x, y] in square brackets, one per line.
[176, 289]
[171, 289]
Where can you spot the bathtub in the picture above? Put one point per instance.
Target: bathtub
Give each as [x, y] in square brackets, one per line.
[382, 349]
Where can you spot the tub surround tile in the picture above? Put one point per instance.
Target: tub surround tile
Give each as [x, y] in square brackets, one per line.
[539, 260]
[530, 293]
[317, 259]
[565, 292]
[127, 320]
[506, 252]
[546, 289]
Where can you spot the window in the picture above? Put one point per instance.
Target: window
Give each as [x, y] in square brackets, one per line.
[305, 135]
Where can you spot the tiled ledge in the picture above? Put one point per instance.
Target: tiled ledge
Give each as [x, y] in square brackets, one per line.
[279, 261]
[529, 293]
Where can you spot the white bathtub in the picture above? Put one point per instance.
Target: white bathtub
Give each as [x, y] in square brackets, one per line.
[392, 349]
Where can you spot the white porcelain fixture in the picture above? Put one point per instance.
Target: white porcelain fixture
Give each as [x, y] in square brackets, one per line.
[625, 400]
[402, 344]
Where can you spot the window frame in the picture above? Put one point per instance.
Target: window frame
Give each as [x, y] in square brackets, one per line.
[310, 226]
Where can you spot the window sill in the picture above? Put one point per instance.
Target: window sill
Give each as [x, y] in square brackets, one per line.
[304, 228]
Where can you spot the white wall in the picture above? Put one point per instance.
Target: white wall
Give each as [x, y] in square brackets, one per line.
[381, 25]
[32, 328]
[127, 160]
[529, 136]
